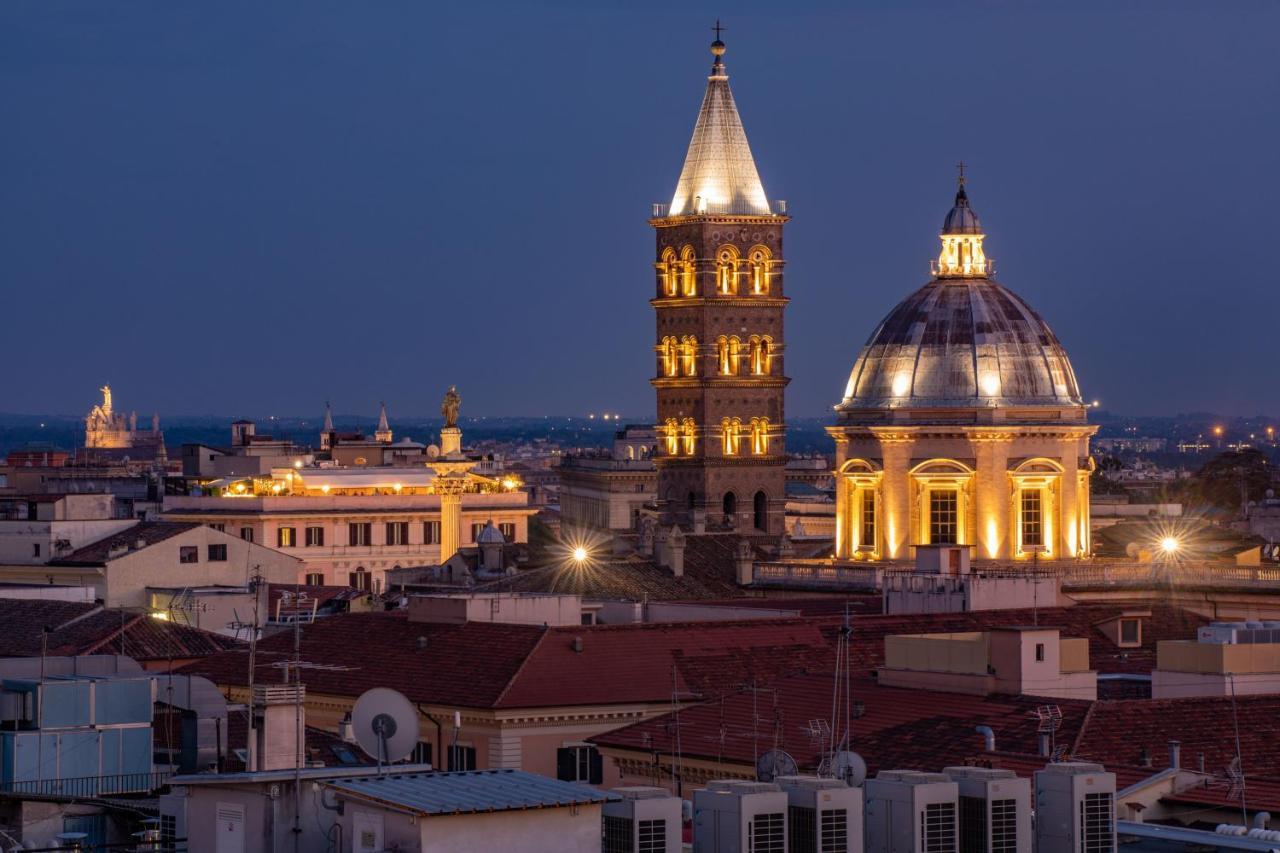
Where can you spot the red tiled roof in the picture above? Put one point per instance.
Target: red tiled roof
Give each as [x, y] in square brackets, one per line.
[646, 662]
[901, 728]
[467, 665]
[146, 532]
[77, 628]
[1119, 732]
[513, 666]
[1258, 794]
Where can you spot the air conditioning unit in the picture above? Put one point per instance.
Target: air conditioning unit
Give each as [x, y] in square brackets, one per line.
[910, 812]
[733, 816]
[645, 820]
[823, 816]
[995, 810]
[1075, 808]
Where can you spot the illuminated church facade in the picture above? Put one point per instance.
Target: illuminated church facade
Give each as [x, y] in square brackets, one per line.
[962, 422]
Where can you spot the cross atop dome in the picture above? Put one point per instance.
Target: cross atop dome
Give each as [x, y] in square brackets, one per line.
[962, 236]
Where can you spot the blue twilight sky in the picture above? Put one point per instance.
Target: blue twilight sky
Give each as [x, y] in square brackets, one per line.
[251, 207]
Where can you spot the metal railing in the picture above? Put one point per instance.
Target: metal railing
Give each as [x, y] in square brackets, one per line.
[660, 210]
[83, 787]
[1071, 575]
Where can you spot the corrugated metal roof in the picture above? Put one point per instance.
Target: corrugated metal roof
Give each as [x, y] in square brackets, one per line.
[469, 792]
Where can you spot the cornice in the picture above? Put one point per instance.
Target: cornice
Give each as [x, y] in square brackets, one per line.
[722, 301]
[719, 219]
[720, 381]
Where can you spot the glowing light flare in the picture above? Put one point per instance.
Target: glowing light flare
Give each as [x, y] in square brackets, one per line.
[901, 384]
[1169, 545]
[579, 554]
[993, 539]
[990, 384]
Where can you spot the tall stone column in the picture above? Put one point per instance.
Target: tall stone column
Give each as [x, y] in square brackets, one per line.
[895, 453]
[1068, 535]
[450, 482]
[450, 521]
[991, 495]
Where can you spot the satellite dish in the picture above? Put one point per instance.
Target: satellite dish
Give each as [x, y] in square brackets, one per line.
[851, 768]
[385, 724]
[773, 764]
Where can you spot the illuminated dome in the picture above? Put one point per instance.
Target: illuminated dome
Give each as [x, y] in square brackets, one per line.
[961, 341]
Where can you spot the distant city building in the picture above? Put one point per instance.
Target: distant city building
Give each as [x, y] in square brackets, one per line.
[105, 428]
[1130, 445]
[608, 490]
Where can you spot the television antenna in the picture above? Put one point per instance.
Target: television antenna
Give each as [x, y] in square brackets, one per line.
[385, 724]
[773, 764]
[1049, 721]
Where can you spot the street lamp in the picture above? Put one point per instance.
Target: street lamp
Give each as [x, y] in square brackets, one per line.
[1169, 545]
[579, 555]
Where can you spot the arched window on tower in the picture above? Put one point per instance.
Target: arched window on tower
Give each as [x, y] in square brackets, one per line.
[760, 436]
[761, 511]
[759, 260]
[688, 432]
[670, 354]
[730, 507]
[727, 271]
[671, 436]
[670, 272]
[728, 350]
[689, 355]
[688, 270]
[761, 355]
[731, 435]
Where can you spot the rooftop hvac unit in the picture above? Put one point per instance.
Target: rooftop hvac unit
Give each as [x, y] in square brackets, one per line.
[646, 820]
[995, 810]
[732, 816]
[823, 816]
[1075, 809]
[910, 812]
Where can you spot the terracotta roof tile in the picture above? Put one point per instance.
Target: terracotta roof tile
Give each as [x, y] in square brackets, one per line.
[85, 629]
[147, 532]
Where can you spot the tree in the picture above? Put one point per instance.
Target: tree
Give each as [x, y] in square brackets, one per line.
[1224, 478]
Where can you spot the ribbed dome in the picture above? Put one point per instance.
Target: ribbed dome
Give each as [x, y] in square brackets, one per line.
[962, 342]
[490, 535]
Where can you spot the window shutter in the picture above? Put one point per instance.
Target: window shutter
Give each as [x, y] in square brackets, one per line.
[597, 767]
[566, 765]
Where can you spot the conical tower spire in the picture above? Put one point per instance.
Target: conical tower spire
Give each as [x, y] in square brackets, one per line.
[383, 433]
[719, 174]
[326, 430]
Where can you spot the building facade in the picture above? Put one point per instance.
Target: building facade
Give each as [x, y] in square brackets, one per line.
[719, 345]
[962, 422]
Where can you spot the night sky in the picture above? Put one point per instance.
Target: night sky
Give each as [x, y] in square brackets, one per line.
[249, 208]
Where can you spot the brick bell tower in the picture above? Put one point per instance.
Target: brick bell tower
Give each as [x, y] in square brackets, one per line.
[719, 340]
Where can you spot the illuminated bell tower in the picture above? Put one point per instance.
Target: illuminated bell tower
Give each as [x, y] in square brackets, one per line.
[719, 337]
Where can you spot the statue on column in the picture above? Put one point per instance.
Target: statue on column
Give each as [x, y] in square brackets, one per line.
[449, 408]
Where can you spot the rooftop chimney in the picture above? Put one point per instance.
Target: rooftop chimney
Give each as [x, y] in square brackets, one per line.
[279, 710]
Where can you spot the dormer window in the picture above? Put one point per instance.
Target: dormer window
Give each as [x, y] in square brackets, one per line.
[1131, 632]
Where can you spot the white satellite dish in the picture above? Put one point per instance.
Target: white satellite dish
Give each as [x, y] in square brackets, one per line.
[851, 768]
[773, 764]
[385, 724]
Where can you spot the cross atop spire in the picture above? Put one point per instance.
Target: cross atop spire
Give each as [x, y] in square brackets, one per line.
[719, 174]
[960, 171]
